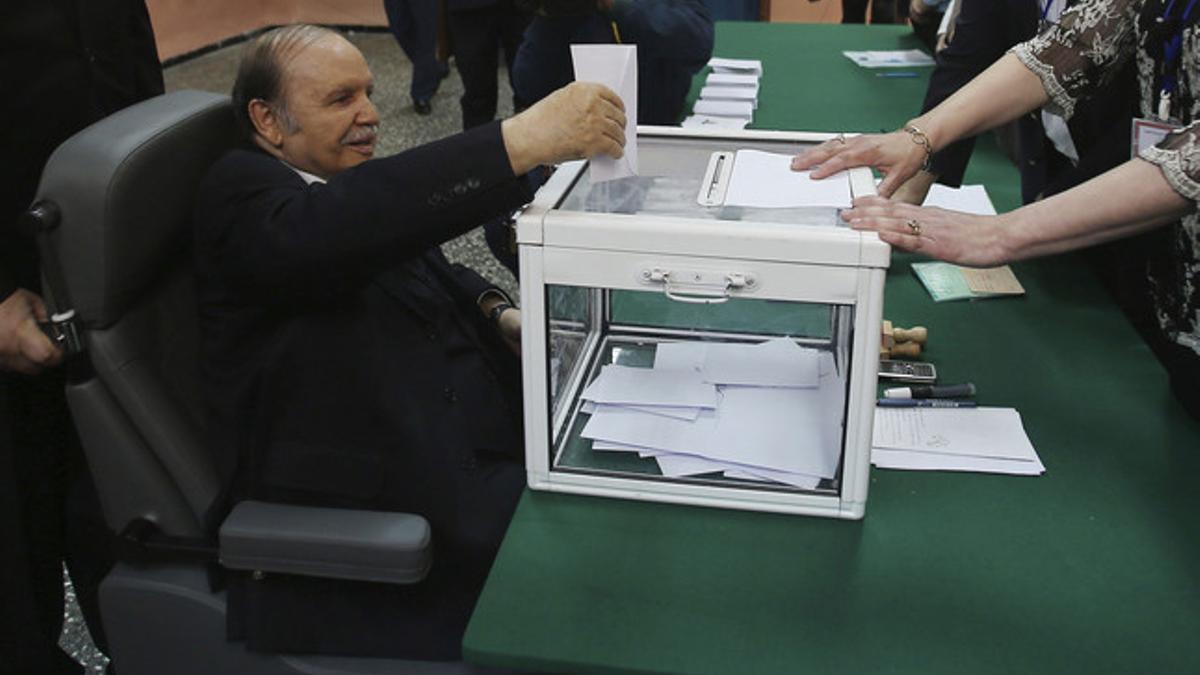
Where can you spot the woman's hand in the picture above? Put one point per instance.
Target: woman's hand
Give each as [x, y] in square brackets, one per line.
[898, 155]
[963, 238]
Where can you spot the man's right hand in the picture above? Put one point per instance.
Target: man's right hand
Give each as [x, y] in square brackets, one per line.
[579, 121]
[24, 348]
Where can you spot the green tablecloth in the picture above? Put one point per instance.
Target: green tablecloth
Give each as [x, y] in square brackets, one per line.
[1092, 568]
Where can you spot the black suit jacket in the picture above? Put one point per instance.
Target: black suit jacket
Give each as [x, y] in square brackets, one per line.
[64, 65]
[985, 30]
[347, 364]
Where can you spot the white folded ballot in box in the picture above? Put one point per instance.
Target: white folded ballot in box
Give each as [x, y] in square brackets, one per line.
[679, 347]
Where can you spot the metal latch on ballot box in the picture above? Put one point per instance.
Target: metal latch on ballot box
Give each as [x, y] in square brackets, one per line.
[699, 286]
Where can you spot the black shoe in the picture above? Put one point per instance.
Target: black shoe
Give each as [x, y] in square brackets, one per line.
[422, 107]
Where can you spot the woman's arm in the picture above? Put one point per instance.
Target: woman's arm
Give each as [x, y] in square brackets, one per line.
[1129, 199]
[1056, 67]
[1003, 92]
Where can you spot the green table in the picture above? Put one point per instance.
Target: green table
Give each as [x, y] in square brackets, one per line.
[1092, 568]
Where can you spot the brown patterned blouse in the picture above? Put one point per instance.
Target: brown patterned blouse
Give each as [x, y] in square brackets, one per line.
[1074, 56]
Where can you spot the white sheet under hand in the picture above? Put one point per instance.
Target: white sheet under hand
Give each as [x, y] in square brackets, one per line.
[766, 180]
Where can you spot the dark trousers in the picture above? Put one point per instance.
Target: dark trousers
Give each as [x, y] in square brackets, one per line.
[478, 34]
[48, 514]
[884, 11]
[419, 621]
[414, 24]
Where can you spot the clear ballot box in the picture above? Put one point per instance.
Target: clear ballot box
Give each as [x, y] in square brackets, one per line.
[684, 343]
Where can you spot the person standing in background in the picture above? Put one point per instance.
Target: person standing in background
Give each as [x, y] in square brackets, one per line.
[414, 24]
[66, 64]
[674, 40]
[477, 29]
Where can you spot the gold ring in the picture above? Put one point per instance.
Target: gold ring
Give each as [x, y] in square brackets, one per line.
[914, 226]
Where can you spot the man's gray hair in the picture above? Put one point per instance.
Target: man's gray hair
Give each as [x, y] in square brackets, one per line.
[261, 72]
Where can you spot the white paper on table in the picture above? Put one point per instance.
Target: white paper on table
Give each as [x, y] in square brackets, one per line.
[774, 428]
[614, 66]
[646, 386]
[739, 109]
[994, 433]
[744, 66]
[779, 362]
[732, 80]
[630, 427]
[766, 179]
[722, 93]
[967, 199]
[900, 58]
[701, 121]
[885, 458]
[677, 412]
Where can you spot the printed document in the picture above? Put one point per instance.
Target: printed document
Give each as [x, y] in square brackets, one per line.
[989, 440]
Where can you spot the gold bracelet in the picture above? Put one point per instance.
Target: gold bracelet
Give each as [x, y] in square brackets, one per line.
[922, 140]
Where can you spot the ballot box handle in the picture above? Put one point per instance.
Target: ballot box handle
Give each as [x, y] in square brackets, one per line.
[698, 287]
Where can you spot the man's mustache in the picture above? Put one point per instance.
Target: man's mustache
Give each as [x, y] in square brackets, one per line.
[361, 134]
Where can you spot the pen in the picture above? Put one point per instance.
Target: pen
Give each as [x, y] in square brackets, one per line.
[897, 73]
[935, 391]
[922, 403]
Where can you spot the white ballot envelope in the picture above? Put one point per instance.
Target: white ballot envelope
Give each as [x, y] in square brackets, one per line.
[614, 66]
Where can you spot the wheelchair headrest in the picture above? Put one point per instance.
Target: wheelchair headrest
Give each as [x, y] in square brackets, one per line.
[125, 187]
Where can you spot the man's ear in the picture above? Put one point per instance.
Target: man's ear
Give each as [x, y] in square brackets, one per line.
[266, 122]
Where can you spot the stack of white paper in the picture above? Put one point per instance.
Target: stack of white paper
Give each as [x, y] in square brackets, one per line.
[729, 96]
[769, 411]
[987, 440]
[905, 58]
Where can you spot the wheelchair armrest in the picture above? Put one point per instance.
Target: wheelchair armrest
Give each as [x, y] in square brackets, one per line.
[321, 542]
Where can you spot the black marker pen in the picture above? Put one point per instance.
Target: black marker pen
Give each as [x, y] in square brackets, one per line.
[931, 391]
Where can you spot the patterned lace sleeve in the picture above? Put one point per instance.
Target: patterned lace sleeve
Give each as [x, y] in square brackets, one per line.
[1178, 155]
[1075, 56]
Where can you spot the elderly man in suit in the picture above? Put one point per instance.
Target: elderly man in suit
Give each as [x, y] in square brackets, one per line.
[347, 363]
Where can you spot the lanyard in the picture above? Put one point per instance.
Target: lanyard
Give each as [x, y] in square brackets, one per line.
[1172, 45]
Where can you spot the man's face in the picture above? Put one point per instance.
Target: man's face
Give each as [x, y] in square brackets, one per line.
[328, 88]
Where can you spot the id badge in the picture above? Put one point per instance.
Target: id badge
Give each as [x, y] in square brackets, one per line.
[1147, 133]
